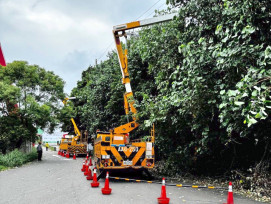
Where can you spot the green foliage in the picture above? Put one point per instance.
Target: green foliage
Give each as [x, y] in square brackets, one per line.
[203, 79]
[99, 97]
[3, 168]
[66, 113]
[29, 98]
[13, 132]
[33, 155]
[17, 158]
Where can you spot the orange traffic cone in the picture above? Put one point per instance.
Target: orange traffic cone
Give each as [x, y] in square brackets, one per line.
[86, 170]
[83, 167]
[106, 190]
[87, 156]
[67, 155]
[230, 195]
[163, 198]
[74, 156]
[59, 152]
[95, 183]
[89, 176]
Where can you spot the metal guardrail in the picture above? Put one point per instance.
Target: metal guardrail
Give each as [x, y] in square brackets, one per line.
[177, 185]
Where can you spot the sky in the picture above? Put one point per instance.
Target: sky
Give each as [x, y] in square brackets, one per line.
[66, 36]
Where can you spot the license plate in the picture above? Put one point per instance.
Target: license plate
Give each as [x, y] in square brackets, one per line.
[127, 162]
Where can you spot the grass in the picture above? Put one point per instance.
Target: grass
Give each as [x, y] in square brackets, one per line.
[3, 168]
[16, 158]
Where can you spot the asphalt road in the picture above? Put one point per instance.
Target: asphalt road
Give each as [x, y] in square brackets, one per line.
[59, 180]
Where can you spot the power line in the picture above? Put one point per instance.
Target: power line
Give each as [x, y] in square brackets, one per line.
[105, 50]
[136, 19]
[156, 9]
[148, 9]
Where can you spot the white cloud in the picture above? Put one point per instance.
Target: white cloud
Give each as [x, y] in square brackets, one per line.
[64, 36]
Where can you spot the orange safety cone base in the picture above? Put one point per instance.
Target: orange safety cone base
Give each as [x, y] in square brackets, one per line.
[163, 200]
[106, 191]
[230, 199]
[67, 155]
[95, 184]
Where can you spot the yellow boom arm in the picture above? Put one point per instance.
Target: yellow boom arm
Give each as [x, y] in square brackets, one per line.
[76, 130]
[118, 32]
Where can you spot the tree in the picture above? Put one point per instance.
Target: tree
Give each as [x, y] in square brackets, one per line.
[203, 79]
[29, 98]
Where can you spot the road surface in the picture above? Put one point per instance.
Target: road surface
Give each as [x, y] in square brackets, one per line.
[59, 180]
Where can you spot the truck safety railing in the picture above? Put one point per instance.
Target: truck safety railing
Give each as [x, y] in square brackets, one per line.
[144, 139]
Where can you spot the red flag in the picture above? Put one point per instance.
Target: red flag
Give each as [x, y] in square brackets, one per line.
[2, 59]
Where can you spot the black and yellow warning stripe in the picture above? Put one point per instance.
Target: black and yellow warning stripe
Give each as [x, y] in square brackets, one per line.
[157, 182]
[80, 149]
[117, 156]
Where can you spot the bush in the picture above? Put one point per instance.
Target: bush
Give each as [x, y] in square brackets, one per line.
[16, 158]
[12, 159]
[32, 155]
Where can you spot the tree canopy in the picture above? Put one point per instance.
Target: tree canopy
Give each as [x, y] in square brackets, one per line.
[29, 99]
[203, 79]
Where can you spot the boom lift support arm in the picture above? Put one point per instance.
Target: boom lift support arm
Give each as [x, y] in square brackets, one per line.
[118, 32]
